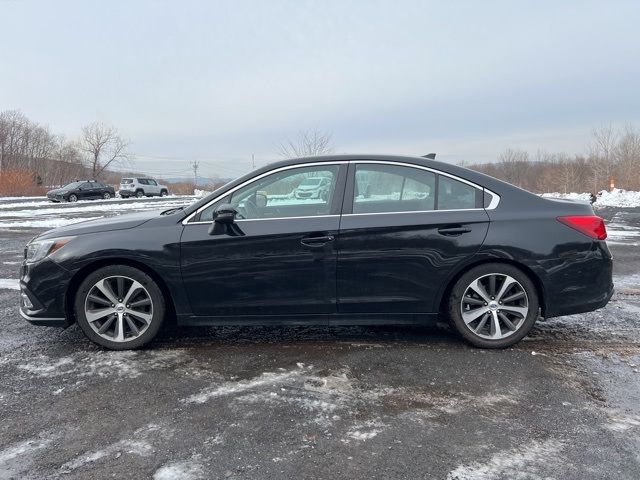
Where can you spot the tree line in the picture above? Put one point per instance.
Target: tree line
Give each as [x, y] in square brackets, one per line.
[613, 156]
[32, 157]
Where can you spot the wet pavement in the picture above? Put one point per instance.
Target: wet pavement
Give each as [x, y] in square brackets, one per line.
[392, 402]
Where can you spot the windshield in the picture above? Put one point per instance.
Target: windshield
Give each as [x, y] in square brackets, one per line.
[73, 185]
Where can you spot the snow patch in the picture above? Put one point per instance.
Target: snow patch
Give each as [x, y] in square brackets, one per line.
[232, 388]
[46, 223]
[126, 364]
[22, 448]
[529, 461]
[184, 470]
[9, 284]
[138, 445]
[615, 198]
[141, 448]
[364, 431]
[200, 193]
[622, 423]
[14, 459]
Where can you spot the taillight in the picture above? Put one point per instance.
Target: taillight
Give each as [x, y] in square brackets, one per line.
[590, 225]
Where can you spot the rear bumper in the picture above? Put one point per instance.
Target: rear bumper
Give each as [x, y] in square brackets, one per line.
[594, 304]
[581, 285]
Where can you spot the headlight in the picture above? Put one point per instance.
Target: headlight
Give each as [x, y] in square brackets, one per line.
[39, 249]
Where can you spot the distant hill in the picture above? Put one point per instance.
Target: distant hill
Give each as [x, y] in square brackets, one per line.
[202, 181]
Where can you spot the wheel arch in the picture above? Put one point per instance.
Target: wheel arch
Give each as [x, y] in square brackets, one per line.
[537, 282]
[81, 274]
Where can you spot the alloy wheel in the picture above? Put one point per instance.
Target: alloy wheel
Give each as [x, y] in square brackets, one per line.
[106, 196]
[494, 306]
[118, 308]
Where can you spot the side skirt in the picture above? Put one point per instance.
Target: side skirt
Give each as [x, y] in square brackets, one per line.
[313, 319]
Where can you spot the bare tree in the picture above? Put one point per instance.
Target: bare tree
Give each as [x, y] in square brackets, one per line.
[627, 157]
[103, 146]
[309, 143]
[601, 155]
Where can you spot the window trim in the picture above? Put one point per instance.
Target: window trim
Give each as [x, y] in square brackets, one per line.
[258, 177]
[347, 200]
[349, 191]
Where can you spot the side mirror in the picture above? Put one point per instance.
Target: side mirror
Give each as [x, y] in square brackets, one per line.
[223, 217]
[225, 214]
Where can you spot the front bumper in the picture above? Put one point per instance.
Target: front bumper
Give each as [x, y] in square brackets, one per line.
[43, 287]
[44, 321]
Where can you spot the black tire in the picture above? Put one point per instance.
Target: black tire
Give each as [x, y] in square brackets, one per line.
[454, 309]
[106, 195]
[72, 198]
[139, 194]
[157, 299]
[164, 193]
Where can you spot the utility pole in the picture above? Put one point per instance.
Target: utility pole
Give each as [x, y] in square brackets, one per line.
[195, 165]
[253, 162]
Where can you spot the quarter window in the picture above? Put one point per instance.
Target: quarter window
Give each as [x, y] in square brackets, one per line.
[296, 192]
[393, 188]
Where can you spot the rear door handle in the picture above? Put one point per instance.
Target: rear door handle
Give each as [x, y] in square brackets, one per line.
[451, 231]
[317, 241]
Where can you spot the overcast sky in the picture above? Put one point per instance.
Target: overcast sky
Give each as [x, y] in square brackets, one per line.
[219, 81]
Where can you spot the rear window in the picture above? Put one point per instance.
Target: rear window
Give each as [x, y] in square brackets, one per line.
[126, 180]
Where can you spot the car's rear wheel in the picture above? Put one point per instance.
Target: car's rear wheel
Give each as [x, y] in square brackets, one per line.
[73, 198]
[119, 307]
[494, 305]
[139, 194]
[164, 193]
[106, 195]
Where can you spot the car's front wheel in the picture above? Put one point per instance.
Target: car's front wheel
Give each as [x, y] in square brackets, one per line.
[139, 194]
[494, 305]
[119, 307]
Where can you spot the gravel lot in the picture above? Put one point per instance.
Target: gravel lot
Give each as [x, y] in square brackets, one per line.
[317, 403]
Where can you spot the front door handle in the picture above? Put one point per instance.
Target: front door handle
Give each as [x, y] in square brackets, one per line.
[317, 241]
[452, 231]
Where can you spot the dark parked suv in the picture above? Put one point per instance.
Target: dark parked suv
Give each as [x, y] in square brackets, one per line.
[424, 240]
[82, 190]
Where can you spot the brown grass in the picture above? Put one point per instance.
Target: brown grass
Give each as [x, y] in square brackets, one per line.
[17, 183]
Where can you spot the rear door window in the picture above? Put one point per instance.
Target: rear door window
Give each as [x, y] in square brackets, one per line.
[455, 195]
[393, 188]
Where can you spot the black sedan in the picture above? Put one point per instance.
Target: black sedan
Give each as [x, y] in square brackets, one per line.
[396, 240]
[82, 190]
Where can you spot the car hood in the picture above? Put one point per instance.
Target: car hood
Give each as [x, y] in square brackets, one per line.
[57, 190]
[121, 222]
